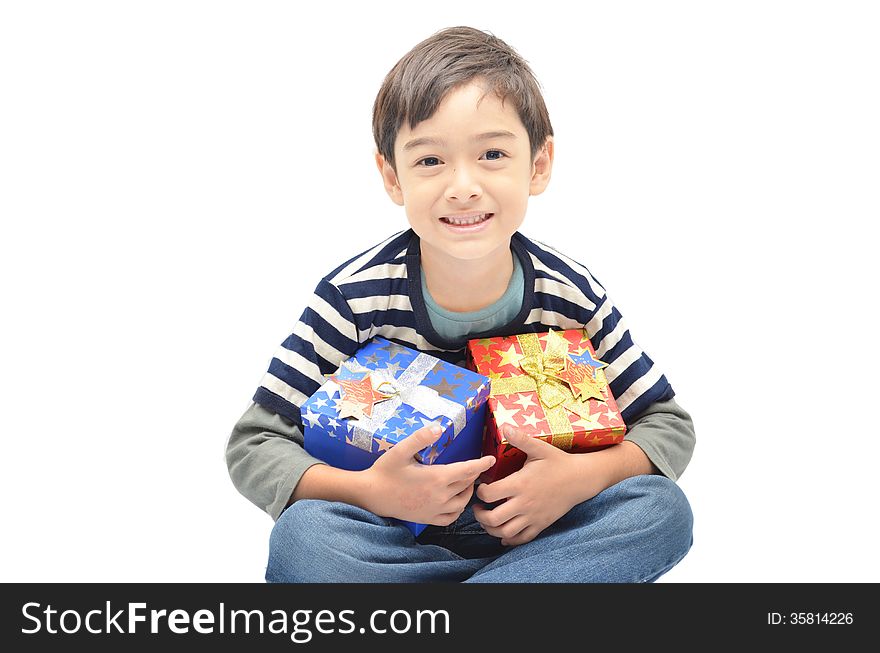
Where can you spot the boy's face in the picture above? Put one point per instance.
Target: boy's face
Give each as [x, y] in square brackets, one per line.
[449, 171]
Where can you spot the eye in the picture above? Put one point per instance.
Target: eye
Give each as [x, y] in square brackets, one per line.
[426, 160]
[498, 152]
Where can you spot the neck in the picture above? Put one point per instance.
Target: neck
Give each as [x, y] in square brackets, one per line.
[466, 285]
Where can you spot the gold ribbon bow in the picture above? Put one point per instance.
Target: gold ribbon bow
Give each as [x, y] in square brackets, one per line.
[548, 372]
[545, 366]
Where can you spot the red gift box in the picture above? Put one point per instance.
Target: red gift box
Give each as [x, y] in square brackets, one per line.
[549, 385]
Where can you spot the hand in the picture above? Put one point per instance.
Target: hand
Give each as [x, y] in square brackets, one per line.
[533, 497]
[401, 487]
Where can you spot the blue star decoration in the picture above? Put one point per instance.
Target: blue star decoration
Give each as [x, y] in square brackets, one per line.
[586, 358]
[345, 374]
[450, 382]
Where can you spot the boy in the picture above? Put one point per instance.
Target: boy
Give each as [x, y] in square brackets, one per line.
[463, 139]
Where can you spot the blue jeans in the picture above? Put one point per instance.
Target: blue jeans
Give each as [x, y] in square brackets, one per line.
[632, 532]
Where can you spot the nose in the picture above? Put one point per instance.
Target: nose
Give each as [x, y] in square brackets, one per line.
[463, 185]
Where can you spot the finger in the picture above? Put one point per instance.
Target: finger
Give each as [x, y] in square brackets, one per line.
[460, 497]
[508, 529]
[529, 445]
[453, 508]
[412, 444]
[444, 519]
[459, 501]
[526, 535]
[458, 486]
[498, 490]
[467, 468]
[498, 515]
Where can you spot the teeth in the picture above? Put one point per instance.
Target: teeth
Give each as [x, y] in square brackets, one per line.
[466, 221]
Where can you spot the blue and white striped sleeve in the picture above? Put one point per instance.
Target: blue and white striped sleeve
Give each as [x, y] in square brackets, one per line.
[324, 336]
[635, 381]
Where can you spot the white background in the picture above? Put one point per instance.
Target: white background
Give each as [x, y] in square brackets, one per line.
[175, 177]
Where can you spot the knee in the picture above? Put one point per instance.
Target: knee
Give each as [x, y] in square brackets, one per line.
[660, 509]
[658, 500]
[300, 540]
[652, 508]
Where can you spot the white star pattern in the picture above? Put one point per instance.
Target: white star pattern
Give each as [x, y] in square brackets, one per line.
[504, 415]
[525, 400]
[531, 420]
[320, 403]
[611, 415]
[590, 423]
[333, 424]
[313, 418]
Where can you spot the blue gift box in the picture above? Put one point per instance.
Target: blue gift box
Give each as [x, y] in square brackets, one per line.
[421, 390]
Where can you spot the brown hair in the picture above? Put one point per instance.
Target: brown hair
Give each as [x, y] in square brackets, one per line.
[417, 84]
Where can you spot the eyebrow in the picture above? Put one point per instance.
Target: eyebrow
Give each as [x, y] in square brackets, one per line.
[435, 141]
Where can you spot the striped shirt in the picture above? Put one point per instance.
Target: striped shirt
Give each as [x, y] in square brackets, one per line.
[379, 293]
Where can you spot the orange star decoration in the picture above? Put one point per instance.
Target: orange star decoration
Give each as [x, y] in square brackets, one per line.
[584, 383]
[358, 396]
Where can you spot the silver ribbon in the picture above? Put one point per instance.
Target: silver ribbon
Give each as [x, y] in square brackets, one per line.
[409, 390]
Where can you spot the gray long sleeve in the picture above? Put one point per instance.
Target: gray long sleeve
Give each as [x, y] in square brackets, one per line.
[266, 459]
[665, 432]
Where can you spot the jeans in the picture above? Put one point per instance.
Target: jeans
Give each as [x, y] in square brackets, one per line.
[632, 532]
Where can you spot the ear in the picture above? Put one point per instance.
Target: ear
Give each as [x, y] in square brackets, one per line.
[389, 179]
[541, 168]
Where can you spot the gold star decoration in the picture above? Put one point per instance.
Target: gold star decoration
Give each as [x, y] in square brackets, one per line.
[383, 444]
[510, 357]
[444, 389]
[589, 388]
[432, 455]
[394, 350]
[358, 397]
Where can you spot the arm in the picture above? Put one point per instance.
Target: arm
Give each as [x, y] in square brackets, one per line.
[553, 481]
[269, 466]
[665, 433]
[265, 453]
[266, 459]
[660, 441]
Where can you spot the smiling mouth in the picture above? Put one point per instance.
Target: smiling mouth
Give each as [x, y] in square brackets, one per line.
[464, 221]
